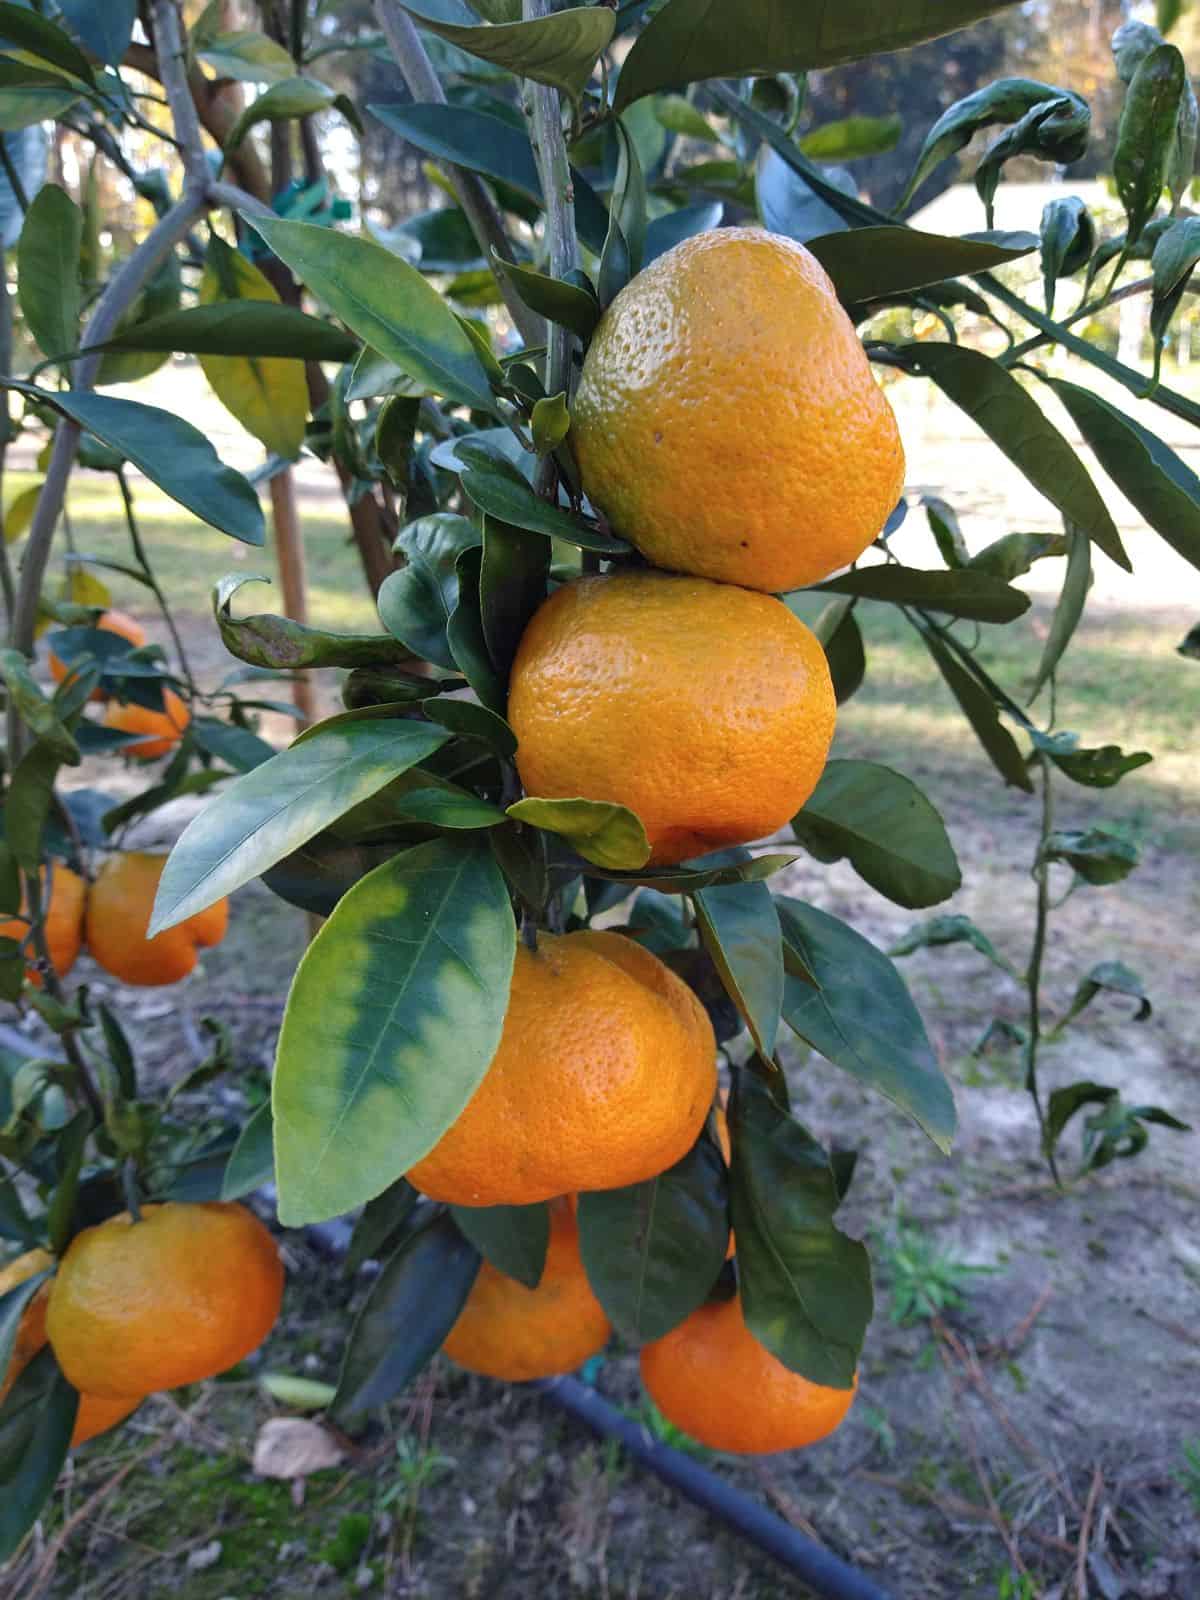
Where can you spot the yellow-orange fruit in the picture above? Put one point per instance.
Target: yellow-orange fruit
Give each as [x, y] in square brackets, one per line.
[63, 922]
[183, 1294]
[727, 421]
[711, 1377]
[508, 1331]
[118, 915]
[118, 622]
[161, 730]
[604, 1075]
[705, 709]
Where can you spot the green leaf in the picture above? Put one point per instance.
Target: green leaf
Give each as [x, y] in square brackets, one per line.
[1055, 131]
[974, 595]
[513, 1238]
[665, 232]
[416, 603]
[251, 1163]
[28, 97]
[36, 1423]
[560, 49]
[549, 423]
[1014, 422]
[894, 838]
[1113, 977]
[70, 1146]
[1174, 259]
[394, 1016]
[500, 490]
[298, 1394]
[381, 1225]
[564, 303]
[689, 41]
[946, 530]
[465, 637]
[287, 99]
[1095, 769]
[699, 875]
[1162, 487]
[387, 303]
[13, 1304]
[512, 585]
[625, 244]
[317, 875]
[268, 396]
[1014, 554]
[247, 58]
[842, 641]
[678, 115]
[237, 747]
[475, 722]
[1099, 854]
[1068, 240]
[979, 708]
[173, 454]
[1146, 133]
[412, 1306]
[805, 1286]
[652, 1251]
[267, 813]
[22, 27]
[1076, 582]
[951, 930]
[860, 1016]
[250, 328]
[740, 930]
[603, 832]
[28, 802]
[48, 270]
[277, 644]
[105, 29]
[851, 138]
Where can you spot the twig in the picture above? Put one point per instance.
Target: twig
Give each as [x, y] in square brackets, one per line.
[228, 194]
[148, 573]
[6, 574]
[92, 1504]
[1085, 1529]
[1090, 309]
[1033, 977]
[1012, 1342]
[410, 55]
[544, 113]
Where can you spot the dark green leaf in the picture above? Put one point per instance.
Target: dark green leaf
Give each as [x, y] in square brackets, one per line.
[474, 722]
[412, 1306]
[1118, 1132]
[860, 1016]
[501, 491]
[280, 645]
[387, 303]
[665, 232]
[805, 1286]
[71, 1144]
[869, 263]
[512, 585]
[238, 328]
[559, 302]
[105, 29]
[842, 641]
[603, 832]
[881, 821]
[625, 244]
[12, 1308]
[1174, 260]
[251, 1162]
[317, 875]
[1068, 239]
[1113, 977]
[1055, 131]
[393, 1018]
[1011, 418]
[947, 533]
[740, 931]
[287, 99]
[22, 27]
[237, 747]
[513, 1238]
[381, 1226]
[560, 49]
[974, 595]
[1077, 580]
[416, 603]
[48, 270]
[687, 879]
[267, 813]
[36, 1423]
[951, 930]
[1099, 854]
[1146, 134]
[653, 1251]
[28, 802]
[692, 40]
[1014, 554]
[1096, 769]
[979, 708]
[464, 634]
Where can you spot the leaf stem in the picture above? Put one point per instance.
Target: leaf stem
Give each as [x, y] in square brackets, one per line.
[13, 176]
[143, 562]
[1033, 977]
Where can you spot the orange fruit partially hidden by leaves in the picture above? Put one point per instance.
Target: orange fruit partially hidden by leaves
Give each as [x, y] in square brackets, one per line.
[183, 1294]
[712, 1378]
[63, 922]
[508, 1331]
[728, 423]
[705, 709]
[604, 1075]
[96, 1413]
[118, 915]
[161, 730]
[118, 622]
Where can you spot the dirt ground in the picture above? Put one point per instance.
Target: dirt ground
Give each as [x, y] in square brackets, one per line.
[1039, 1429]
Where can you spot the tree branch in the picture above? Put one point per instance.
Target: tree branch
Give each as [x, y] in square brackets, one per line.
[173, 75]
[410, 55]
[544, 111]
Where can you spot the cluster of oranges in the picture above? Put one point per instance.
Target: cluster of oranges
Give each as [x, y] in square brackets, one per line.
[182, 1294]
[728, 426]
[112, 915]
[158, 732]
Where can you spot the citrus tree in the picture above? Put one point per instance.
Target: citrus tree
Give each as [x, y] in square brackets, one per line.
[625, 452]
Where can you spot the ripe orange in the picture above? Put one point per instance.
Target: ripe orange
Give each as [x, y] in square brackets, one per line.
[707, 710]
[63, 924]
[112, 622]
[97, 1413]
[712, 1378]
[118, 914]
[604, 1075]
[508, 1331]
[181, 1295]
[728, 423]
[163, 729]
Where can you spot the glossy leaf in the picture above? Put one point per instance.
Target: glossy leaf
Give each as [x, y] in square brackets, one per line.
[625, 243]
[665, 232]
[1068, 239]
[1055, 131]
[512, 585]
[476, 722]
[251, 1162]
[287, 99]
[860, 1016]
[805, 1286]
[69, 1152]
[974, 595]
[1014, 422]
[36, 1422]
[412, 1306]
[560, 49]
[559, 302]
[603, 832]
[513, 1239]
[416, 603]
[48, 270]
[869, 263]
[652, 1251]
[1146, 133]
[464, 634]
[393, 1018]
[387, 303]
[893, 837]
[692, 40]
[740, 930]
[381, 1225]
[267, 813]
[979, 708]
[500, 490]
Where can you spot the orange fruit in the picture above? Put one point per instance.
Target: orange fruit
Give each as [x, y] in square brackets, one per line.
[604, 1075]
[162, 729]
[183, 1294]
[112, 622]
[63, 922]
[96, 1413]
[118, 914]
[727, 421]
[705, 709]
[712, 1378]
[508, 1331]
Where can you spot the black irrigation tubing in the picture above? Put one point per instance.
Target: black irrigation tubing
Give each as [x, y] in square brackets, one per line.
[825, 1574]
